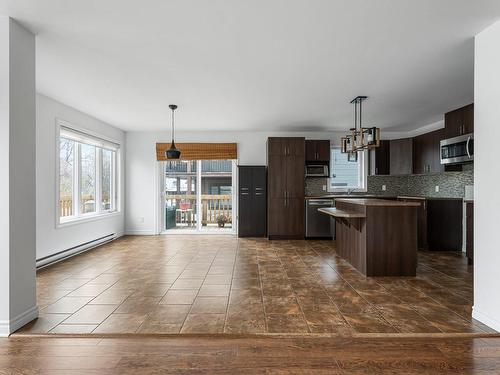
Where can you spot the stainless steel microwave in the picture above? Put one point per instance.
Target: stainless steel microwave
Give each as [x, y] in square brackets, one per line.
[317, 170]
[458, 149]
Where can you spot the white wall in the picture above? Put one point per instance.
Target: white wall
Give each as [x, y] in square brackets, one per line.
[17, 176]
[142, 168]
[51, 239]
[486, 177]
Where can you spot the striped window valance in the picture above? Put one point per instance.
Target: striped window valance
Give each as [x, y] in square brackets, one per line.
[200, 151]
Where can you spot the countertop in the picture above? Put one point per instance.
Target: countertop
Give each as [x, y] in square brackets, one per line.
[335, 196]
[379, 202]
[388, 197]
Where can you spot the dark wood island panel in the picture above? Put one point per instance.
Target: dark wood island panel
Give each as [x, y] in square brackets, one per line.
[384, 242]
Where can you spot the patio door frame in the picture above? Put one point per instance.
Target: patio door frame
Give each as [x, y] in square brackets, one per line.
[160, 204]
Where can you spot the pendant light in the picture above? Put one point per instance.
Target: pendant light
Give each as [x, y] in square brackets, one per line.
[172, 152]
[360, 138]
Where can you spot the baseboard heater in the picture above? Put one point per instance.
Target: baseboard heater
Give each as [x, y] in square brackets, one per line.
[72, 251]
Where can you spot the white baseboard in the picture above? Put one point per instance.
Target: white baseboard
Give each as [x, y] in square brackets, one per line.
[486, 319]
[140, 233]
[9, 326]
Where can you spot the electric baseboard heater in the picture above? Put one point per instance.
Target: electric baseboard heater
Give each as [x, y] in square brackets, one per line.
[72, 251]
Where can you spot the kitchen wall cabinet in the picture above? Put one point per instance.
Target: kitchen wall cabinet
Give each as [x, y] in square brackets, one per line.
[401, 156]
[426, 157]
[380, 159]
[469, 232]
[444, 224]
[252, 201]
[459, 121]
[285, 208]
[318, 150]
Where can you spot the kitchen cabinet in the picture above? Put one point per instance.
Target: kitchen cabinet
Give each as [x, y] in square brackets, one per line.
[426, 157]
[444, 224]
[401, 156]
[318, 151]
[285, 166]
[469, 232]
[421, 220]
[380, 159]
[252, 201]
[459, 122]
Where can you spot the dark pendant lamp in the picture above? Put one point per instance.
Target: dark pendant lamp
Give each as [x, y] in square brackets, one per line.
[172, 152]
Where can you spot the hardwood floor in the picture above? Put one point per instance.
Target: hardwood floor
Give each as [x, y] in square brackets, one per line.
[222, 284]
[258, 355]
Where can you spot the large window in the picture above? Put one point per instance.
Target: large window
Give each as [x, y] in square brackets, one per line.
[347, 173]
[87, 176]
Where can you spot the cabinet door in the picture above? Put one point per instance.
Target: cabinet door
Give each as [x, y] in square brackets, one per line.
[297, 147]
[468, 119]
[459, 121]
[276, 182]
[276, 217]
[295, 165]
[401, 156]
[311, 152]
[469, 234]
[323, 150]
[259, 201]
[380, 159]
[276, 146]
[426, 157]
[245, 211]
[295, 176]
[452, 124]
[292, 224]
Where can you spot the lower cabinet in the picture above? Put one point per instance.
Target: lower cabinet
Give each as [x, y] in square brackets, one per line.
[469, 231]
[445, 224]
[252, 201]
[286, 218]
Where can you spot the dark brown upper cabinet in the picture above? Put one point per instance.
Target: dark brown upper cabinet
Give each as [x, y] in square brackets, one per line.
[426, 158]
[459, 122]
[285, 167]
[380, 159]
[318, 151]
[401, 156]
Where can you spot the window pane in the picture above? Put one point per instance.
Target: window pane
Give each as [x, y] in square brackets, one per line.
[216, 190]
[343, 173]
[106, 179]
[66, 169]
[87, 178]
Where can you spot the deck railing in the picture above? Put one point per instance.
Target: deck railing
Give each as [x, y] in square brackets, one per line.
[212, 206]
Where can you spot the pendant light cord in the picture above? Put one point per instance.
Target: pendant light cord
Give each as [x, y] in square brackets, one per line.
[173, 126]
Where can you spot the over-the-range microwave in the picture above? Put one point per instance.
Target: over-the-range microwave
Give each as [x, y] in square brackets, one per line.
[317, 170]
[457, 150]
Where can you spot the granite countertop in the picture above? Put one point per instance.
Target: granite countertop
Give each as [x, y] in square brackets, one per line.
[379, 202]
[334, 196]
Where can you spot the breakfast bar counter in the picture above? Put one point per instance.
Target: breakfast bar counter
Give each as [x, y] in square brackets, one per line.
[377, 236]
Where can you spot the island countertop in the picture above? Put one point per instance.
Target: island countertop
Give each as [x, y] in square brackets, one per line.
[378, 202]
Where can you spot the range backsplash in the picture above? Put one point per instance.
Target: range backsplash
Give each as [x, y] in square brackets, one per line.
[451, 185]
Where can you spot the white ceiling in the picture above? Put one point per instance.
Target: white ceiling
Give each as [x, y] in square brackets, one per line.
[256, 64]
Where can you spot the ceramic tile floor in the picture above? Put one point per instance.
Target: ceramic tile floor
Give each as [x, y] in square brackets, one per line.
[222, 284]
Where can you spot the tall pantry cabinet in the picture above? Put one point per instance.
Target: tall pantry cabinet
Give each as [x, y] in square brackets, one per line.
[285, 187]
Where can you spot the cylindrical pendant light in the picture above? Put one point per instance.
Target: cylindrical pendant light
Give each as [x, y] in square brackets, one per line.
[172, 152]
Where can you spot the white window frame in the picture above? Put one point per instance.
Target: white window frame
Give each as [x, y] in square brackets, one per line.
[362, 175]
[100, 142]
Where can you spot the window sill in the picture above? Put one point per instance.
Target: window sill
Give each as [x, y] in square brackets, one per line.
[86, 219]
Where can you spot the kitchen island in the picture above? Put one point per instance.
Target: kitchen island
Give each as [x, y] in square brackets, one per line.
[377, 236]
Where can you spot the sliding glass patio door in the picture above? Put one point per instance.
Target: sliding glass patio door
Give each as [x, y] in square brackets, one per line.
[198, 196]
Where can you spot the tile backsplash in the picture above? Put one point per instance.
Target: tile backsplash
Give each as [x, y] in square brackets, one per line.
[451, 184]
